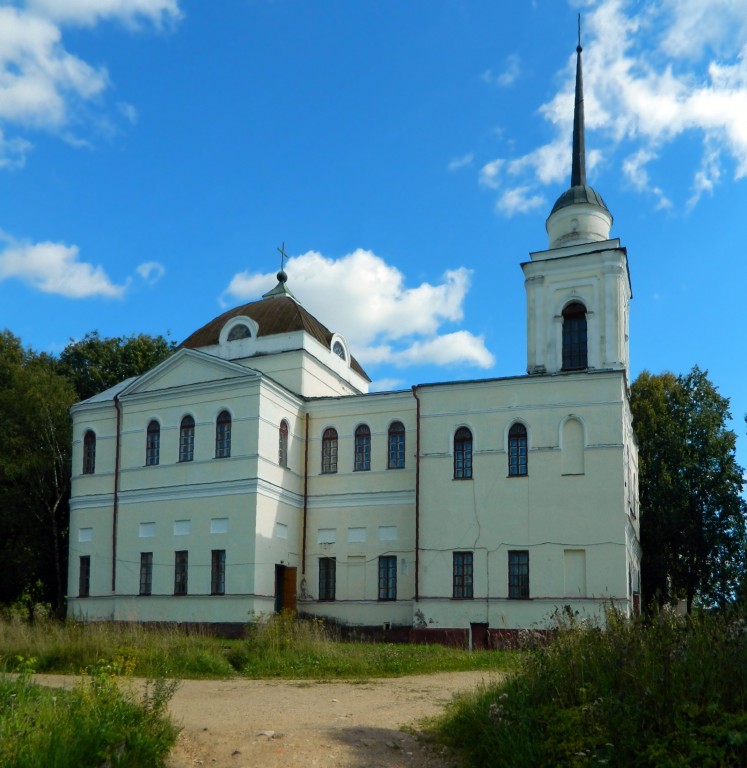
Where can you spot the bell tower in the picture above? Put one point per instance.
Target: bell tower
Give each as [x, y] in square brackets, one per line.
[578, 291]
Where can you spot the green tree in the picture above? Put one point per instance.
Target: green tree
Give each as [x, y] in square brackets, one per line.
[693, 515]
[36, 392]
[94, 364]
[34, 472]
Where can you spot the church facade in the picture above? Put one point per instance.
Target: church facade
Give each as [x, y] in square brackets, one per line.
[252, 471]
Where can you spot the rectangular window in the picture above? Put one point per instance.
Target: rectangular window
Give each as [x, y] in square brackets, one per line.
[218, 572]
[518, 575]
[388, 577]
[463, 575]
[181, 561]
[146, 573]
[84, 576]
[327, 568]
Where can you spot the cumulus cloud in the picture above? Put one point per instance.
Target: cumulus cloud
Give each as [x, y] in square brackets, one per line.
[56, 269]
[45, 87]
[652, 73]
[382, 318]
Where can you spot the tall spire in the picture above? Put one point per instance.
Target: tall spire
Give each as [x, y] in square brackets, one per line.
[578, 166]
[579, 214]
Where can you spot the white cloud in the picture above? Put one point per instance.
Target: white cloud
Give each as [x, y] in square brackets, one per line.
[382, 318]
[506, 76]
[39, 79]
[652, 73]
[13, 152]
[461, 162]
[90, 12]
[128, 111]
[56, 269]
[519, 200]
[151, 271]
[45, 87]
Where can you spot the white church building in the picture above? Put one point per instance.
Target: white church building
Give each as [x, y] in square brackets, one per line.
[252, 471]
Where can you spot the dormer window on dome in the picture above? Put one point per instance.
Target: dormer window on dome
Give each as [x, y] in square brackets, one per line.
[237, 329]
[240, 331]
[339, 346]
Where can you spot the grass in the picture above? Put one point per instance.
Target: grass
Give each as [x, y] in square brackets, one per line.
[104, 724]
[99, 722]
[669, 692]
[276, 647]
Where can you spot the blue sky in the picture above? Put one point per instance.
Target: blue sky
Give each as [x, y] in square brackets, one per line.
[155, 153]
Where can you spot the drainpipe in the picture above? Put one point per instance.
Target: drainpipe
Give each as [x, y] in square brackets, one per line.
[417, 493]
[305, 495]
[115, 510]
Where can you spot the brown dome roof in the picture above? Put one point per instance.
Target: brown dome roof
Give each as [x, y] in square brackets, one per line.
[273, 316]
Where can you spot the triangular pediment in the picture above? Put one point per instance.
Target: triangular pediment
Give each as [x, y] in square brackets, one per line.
[185, 368]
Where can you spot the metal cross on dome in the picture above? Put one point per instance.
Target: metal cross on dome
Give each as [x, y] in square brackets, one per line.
[283, 256]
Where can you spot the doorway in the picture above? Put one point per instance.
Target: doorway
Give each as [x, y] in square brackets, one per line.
[285, 588]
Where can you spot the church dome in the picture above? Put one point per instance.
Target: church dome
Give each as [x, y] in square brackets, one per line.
[581, 193]
[275, 315]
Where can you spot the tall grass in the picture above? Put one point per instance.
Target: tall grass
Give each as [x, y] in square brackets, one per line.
[69, 647]
[97, 723]
[284, 646]
[278, 646]
[670, 691]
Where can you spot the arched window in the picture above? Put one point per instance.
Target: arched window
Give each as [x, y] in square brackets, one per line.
[187, 439]
[223, 435]
[517, 451]
[396, 445]
[89, 452]
[574, 337]
[362, 448]
[153, 444]
[329, 451]
[283, 444]
[463, 454]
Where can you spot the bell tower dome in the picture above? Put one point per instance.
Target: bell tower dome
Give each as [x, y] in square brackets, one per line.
[578, 291]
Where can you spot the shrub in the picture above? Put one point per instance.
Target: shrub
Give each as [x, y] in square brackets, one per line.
[668, 691]
[99, 722]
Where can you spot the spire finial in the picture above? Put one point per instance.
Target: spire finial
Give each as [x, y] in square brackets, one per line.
[578, 164]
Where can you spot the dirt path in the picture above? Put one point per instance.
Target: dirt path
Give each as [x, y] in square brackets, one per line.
[273, 723]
